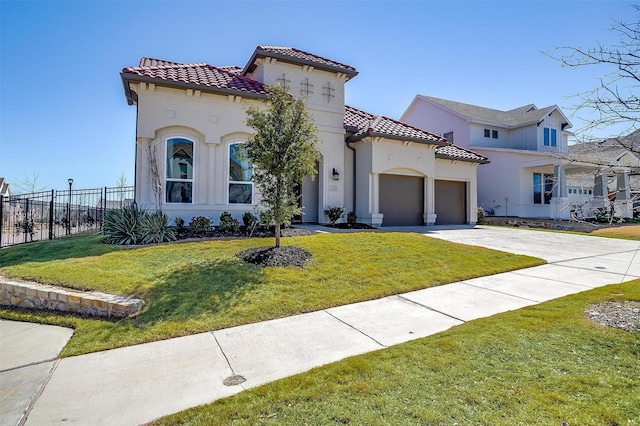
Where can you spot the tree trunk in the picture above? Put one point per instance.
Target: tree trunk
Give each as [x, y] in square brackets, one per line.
[276, 231]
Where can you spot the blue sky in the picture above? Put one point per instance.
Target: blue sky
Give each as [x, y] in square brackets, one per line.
[63, 112]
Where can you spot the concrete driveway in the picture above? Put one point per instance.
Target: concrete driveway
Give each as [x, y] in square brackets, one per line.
[137, 384]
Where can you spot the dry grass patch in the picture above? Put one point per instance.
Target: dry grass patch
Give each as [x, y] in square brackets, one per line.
[632, 231]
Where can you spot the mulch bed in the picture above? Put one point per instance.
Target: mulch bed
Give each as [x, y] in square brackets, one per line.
[350, 226]
[276, 256]
[622, 314]
[185, 234]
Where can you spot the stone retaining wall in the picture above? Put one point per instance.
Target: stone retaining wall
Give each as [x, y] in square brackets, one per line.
[40, 296]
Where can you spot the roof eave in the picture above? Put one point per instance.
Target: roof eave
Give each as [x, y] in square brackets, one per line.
[127, 90]
[468, 160]
[182, 85]
[360, 136]
[258, 53]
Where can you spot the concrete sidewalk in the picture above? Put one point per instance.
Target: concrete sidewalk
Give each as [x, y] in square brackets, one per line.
[137, 384]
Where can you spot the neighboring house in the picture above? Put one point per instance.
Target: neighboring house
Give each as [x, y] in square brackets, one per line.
[619, 179]
[11, 209]
[191, 119]
[528, 149]
[5, 190]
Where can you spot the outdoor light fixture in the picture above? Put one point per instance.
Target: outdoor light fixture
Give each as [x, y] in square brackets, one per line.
[336, 175]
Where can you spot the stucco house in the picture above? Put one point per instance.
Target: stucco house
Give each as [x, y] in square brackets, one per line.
[191, 118]
[529, 153]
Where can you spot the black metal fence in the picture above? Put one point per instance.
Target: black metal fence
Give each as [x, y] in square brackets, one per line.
[52, 214]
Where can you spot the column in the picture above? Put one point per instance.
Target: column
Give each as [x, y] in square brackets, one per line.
[429, 201]
[374, 199]
[623, 203]
[559, 197]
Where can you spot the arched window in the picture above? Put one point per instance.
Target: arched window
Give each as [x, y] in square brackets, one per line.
[240, 174]
[179, 176]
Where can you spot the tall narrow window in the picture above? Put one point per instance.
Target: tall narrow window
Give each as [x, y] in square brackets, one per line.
[179, 176]
[542, 188]
[550, 137]
[546, 136]
[240, 174]
[537, 188]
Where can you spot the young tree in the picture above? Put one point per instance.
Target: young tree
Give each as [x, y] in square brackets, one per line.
[283, 151]
[29, 184]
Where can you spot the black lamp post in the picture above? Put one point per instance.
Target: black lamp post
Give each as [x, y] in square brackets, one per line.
[70, 181]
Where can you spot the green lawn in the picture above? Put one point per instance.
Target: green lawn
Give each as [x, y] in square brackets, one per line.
[200, 286]
[542, 365]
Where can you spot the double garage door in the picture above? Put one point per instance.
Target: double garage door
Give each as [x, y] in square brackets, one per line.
[402, 201]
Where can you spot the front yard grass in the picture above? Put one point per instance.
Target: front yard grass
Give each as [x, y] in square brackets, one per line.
[545, 365]
[201, 286]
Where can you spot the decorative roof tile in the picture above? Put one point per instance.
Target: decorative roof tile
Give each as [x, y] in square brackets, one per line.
[365, 124]
[206, 76]
[454, 152]
[380, 125]
[297, 56]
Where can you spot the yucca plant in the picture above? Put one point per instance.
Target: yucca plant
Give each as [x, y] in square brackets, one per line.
[122, 226]
[154, 228]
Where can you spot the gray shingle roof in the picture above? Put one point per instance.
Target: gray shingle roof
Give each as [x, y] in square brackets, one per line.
[366, 124]
[605, 152]
[524, 115]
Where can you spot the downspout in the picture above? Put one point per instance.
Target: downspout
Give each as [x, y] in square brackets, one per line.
[352, 130]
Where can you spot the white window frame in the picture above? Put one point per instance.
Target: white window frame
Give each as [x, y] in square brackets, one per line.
[168, 179]
[229, 181]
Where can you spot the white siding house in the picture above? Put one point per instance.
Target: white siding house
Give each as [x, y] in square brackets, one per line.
[528, 149]
[190, 118]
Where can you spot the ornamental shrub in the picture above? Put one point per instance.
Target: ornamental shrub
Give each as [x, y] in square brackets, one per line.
[122, 226]
[228, 223]
[352, 218]
[249, 220]
[154, 228]
[334, 214]
[200, 225]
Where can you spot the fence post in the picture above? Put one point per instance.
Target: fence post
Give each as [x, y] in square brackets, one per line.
[51, 216]
[1, 217]
[25, 224]
[104, 208]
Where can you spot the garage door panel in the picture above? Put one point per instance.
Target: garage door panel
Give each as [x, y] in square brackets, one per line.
[451, 202]
[401, 200]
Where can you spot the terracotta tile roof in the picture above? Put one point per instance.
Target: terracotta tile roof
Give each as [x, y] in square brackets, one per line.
[297, 56]
[453, 152]
[152, 62]
[524, 115]
[201, 76]
[379, 125]
[232, 68]
[365, 124]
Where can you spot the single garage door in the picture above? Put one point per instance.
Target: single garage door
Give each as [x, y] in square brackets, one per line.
[451, 202]
[401, 200]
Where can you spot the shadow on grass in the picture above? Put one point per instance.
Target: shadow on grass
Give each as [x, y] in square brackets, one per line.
[200, 290]
[46, 251]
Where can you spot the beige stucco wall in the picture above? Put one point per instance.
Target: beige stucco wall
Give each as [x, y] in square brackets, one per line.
[378, 156]
[214, 122]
